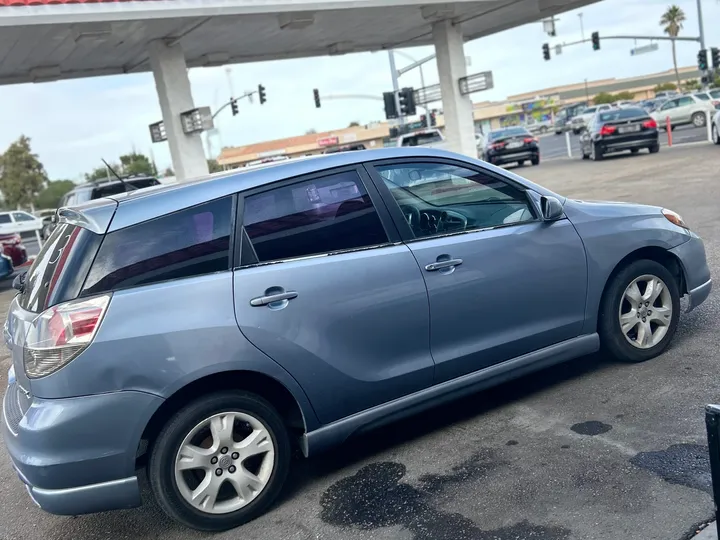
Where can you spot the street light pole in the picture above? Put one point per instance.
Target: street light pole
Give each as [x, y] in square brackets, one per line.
[700, 23]
[582, 30]
[396, 85]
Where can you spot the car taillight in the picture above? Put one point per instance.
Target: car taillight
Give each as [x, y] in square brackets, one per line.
[528, 140]
[650, 124]
[607, 130]
[61, 333]
[497, 145]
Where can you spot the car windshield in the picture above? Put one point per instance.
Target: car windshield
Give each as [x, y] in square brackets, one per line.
[703, 97]
[504, 133]
[715, 94]
[621, 114]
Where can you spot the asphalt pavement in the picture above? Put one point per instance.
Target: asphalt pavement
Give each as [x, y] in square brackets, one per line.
[555, 146]
[588, 450]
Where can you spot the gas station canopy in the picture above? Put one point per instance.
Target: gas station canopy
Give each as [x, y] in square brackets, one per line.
[47, 40]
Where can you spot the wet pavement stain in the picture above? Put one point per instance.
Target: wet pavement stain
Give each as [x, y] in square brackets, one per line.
[375, 497]
[591, 428]
[683, 464]
[511, 442]
[477, 466]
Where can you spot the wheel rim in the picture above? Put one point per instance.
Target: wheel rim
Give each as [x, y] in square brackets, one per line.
[224, 462]
[645, 311]
[699, 121]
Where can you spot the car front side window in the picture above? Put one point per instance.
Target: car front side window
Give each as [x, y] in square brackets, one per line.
[669, 105]
[442, 198]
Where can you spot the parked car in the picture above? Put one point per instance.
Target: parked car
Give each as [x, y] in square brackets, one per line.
[47, 216]
[212, 327]
[539, 126]
[619, 130]
[580, 122]
[101, 188]
[345, 148]
[666, 94]
[565, 115]
[427, 138]
[713, 96]
[683, 110]
[6, 266]
[19, 222]
[13, 247]
[716, 128]
[511, 145]
[649, 105]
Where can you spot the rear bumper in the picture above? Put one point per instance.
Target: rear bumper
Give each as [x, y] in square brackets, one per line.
[77, 455]
[641, 141]
[512, 157]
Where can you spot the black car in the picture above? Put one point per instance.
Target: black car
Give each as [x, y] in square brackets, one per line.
[619, 130]
[511, 145]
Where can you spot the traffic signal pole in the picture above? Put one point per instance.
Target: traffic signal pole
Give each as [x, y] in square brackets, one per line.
[396, 85]
[226, 105]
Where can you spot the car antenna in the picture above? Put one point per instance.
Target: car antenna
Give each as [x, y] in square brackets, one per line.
[128, 187]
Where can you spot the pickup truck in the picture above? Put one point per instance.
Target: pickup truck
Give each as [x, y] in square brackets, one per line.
[427, 138]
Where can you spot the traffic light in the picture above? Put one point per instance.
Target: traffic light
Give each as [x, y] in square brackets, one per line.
[702, 60]
[433, 119]
[316, 95]
[261, 94]
[423, 120]
[595, 38]
[233, 106]
[390, 105]
[407, 101]
[715, 55]
[546, 51]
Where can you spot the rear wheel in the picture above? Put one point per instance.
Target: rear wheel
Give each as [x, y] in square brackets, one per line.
[535, 160]
[654, 149]
[639, 312]
[596, 153]
[220, 461]
[698, 119]
[715, 134]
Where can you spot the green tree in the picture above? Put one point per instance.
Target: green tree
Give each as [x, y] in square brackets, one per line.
[354, 124]
[168, 172]
[102, 173]
[134, 163]
[603, 97]
[664, 87]
[22, 176]
[624, 96]
[311, 131]
[50, 196]
[213, 166]
[672, 22]
[691, 85]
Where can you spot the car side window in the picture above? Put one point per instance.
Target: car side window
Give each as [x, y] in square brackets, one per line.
[669, 105]
[5, 218]
[441, 198]
[192, 242]
[687, 100]
[22, 216]
[322, 215]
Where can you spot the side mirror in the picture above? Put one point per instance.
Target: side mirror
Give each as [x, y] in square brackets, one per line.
[551, 208]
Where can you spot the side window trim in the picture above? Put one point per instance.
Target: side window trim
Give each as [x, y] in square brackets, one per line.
[397, 216]
[394, 236]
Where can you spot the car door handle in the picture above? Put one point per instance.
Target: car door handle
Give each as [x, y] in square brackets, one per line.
[270, 298]
[450, 263]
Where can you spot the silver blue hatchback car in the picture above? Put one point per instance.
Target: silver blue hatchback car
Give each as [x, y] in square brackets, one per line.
[203, 331]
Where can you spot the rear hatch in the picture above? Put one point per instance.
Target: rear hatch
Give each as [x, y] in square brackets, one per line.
[56, 276]
[625, 124]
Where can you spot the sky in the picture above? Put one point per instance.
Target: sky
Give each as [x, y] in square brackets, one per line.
[73, 124]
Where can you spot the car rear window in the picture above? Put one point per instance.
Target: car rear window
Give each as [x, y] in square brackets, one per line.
[510, 132]
[622, 114]
[192, 242]
[60, 268]
[119, 187]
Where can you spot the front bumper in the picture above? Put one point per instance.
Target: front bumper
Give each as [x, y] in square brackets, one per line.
[691, 255]
[77, 455]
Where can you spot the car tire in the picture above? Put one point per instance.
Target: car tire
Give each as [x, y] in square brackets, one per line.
[535, 160]
[615, 304]
[698, 119]
[168, 482]
[595, 153]
[634, 150]
[654, 149]
[716, 133]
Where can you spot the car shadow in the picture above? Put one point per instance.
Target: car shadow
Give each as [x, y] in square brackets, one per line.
[360, 448]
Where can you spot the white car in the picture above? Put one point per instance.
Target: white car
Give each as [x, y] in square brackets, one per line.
[427, 138]
[19, 222]
[581, 121]
[683, 110]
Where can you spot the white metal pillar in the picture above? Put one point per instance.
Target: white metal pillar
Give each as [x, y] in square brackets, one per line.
[175, 96]
[457, 109]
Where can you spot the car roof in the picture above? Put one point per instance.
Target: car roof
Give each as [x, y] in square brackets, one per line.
[104, 183]
[152, 202]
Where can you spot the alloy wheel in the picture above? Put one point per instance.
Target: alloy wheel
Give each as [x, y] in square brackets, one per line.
[715, 134]
[645, 311]
[698, 120]
[224, 462]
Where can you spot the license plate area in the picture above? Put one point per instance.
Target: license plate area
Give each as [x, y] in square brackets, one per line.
[629, 129]
[514, 144]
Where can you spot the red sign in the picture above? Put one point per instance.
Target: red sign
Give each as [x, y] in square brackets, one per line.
[327, 141]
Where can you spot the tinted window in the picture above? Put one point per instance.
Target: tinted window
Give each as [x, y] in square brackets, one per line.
[191, 242]
[510, 132]
[22, 216]
[438, 198]
[715, 94]
[703, 97]
[669, 104]
[687, 100]
[5, 218]
[622, 114]
[321, 215]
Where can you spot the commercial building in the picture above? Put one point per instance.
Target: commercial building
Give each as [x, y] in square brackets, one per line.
[519, 109]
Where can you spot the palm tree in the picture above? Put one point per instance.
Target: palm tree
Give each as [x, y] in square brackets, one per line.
[672, 22]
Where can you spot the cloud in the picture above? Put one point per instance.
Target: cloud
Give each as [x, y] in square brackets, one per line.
[73, 124]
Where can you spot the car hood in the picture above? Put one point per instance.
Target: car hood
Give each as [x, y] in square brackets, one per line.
[613, 208]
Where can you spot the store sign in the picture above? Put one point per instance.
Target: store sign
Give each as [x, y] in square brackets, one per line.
[327, 141]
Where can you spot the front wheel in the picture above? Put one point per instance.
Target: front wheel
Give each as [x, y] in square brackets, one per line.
[715, 134]
[220, 461]
[639, 312]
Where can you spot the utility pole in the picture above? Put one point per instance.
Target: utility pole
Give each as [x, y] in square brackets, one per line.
[396, 86]
[587, 95]
[582, 29]
[700, 23]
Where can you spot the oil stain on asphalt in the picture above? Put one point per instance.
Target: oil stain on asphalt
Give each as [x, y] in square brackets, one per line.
[376, 497]
[592, 428]
[683, 464]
